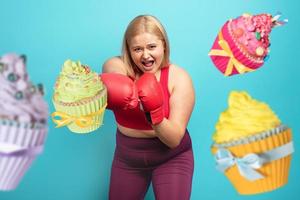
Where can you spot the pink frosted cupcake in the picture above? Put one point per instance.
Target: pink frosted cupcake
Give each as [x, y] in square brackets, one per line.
[243, 43]
[23, 116]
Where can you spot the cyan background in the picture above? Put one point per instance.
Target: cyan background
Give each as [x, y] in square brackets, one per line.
[77, 167]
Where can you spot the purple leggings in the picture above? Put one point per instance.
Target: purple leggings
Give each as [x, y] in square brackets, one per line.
[140, 161]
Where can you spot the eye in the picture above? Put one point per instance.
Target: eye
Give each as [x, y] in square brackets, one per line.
[153, 46]
[137, 49]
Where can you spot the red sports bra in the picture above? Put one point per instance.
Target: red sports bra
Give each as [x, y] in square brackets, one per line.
[135, 118]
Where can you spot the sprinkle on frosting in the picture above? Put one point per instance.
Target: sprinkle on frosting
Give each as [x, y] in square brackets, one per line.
[252, 33]
[76, 82]
[20, 100]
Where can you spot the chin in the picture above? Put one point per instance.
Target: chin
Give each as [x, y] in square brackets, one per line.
[152, 69]
[148, 70]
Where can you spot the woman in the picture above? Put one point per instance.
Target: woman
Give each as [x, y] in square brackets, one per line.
[152, 100]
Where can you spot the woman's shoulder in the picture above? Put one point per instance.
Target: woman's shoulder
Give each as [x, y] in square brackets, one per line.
[114, 64]
[178, 77]
[175, 72]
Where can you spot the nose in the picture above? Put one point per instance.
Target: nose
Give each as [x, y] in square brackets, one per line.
[146, 54]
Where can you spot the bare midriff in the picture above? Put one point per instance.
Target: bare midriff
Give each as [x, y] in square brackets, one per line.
[136, 133]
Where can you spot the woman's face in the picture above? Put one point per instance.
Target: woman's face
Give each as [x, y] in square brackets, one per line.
[147, 52]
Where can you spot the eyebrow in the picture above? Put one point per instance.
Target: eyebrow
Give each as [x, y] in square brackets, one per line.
[153, 43]
[149, 44]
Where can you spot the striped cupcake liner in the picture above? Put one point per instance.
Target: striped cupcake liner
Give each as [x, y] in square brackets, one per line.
[248, 62]
[83, 108]
[15, 163]
[275, 172]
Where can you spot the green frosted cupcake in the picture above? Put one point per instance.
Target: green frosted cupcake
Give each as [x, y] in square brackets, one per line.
[79, 98]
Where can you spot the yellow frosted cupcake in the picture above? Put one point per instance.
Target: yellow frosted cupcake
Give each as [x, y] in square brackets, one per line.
[79, 98]
[251, 146]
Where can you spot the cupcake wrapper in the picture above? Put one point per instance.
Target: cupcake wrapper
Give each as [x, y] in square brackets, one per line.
[221, 62]
[275, 172]
[13, 167]
[83, 109]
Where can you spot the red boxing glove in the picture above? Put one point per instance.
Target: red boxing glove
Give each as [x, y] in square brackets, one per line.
[121, 91]
[151, 96]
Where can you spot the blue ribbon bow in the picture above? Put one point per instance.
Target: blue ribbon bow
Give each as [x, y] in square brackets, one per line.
[248, 164]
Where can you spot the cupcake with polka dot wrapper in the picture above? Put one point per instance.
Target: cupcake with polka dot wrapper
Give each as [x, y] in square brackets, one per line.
[23, 116]
[251, 145]
[243, 43]
[79, 98]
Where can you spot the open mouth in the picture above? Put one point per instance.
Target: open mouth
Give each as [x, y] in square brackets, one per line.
[148, 63]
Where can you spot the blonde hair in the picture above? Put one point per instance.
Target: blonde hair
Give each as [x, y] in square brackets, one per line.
[143, 24]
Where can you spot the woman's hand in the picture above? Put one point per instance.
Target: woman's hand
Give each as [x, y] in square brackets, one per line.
[182, 98]
[121, 91]
[151, 97]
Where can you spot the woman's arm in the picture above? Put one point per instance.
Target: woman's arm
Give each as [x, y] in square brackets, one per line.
[121, 90]
[182, 99]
